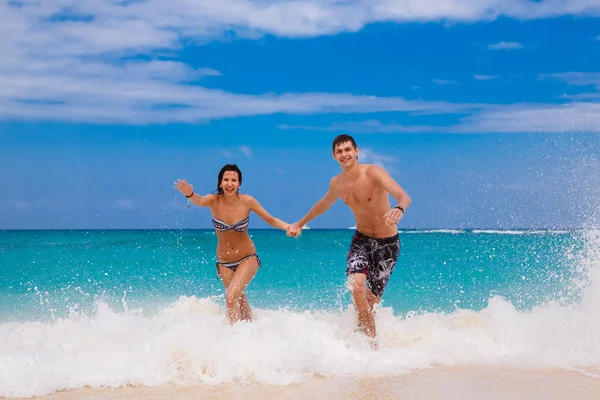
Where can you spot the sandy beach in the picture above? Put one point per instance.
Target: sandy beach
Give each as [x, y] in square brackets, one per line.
[438, 383]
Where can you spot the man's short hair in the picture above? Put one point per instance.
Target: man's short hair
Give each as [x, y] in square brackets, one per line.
[342, 139]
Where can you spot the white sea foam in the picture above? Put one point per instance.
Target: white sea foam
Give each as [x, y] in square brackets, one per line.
[454, 231]
[519, 232]
[500, 232]
[190, 342]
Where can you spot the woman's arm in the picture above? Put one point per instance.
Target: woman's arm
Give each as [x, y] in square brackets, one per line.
[261, 212]
[188, 191]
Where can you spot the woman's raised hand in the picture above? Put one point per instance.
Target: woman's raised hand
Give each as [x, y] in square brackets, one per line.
[185, 188]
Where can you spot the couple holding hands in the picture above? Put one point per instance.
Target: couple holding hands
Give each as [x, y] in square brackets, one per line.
[375, 245]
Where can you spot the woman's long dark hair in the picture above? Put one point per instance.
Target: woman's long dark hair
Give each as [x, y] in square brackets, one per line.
[228, 167]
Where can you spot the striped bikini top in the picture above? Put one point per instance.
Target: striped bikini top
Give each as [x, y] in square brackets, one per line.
[223, 226]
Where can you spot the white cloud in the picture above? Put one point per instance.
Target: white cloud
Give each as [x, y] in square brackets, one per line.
[484, 77]
[445, 82]
[368, 156]
[542, 118]
[582, 96]
[576, 78]
[505, 46]
[246, 150]
[568, 118]
[209, 72]
[115, 62]
[160, 24]
[370, 126]
[81, 92]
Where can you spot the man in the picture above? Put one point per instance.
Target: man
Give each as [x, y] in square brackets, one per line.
[376, 244]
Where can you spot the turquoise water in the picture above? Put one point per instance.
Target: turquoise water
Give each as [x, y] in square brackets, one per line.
[117, 308]
[45, 274]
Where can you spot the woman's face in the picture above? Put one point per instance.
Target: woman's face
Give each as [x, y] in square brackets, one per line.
[230, 183]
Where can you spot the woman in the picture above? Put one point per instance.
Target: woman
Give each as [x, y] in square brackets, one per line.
[237, 261]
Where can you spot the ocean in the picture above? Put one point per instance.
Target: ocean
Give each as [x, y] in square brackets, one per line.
[111, 308]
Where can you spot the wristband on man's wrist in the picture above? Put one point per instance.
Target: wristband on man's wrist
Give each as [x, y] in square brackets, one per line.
[400, 208]
[190, 195]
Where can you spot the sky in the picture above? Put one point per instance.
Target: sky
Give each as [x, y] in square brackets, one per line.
[486, 112]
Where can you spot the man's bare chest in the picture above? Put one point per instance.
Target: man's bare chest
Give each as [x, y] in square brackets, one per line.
[358, 194]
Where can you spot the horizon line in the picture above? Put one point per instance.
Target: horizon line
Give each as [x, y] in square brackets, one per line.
[311, 229]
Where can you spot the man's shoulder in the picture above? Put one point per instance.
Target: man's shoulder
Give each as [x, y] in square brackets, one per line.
[335, 179]
[373, 170]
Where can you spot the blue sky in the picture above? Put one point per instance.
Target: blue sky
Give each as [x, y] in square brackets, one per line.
[487, 113]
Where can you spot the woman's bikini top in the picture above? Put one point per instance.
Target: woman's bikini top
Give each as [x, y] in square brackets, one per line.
[223, 226]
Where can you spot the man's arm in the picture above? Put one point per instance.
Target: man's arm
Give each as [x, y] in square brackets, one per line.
[321, 206]
[388, 183]
[383, 178]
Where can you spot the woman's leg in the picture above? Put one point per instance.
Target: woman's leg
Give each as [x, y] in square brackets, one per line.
[235, 284]
[226, 276]
[246, 312]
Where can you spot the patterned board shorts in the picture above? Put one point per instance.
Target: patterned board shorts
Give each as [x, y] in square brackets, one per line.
[374, 257]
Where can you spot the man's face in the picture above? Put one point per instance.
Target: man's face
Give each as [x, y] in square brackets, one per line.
[345, 154]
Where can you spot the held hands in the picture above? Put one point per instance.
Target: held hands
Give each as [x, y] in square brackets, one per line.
[185, 188]
[294, 230]
[393, 216]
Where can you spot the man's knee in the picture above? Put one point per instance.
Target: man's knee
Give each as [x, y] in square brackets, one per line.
[358, 284]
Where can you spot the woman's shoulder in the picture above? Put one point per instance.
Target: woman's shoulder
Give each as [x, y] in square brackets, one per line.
[247, 199]
[211, 197]
[250, 202]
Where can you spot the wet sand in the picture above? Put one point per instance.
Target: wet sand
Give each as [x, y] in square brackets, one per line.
[468, 383]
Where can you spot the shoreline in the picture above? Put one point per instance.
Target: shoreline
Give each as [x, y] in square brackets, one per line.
[440, 383]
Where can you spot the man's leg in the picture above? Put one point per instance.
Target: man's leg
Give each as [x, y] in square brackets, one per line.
[372, 299]
[358, 288]
[383, 260]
